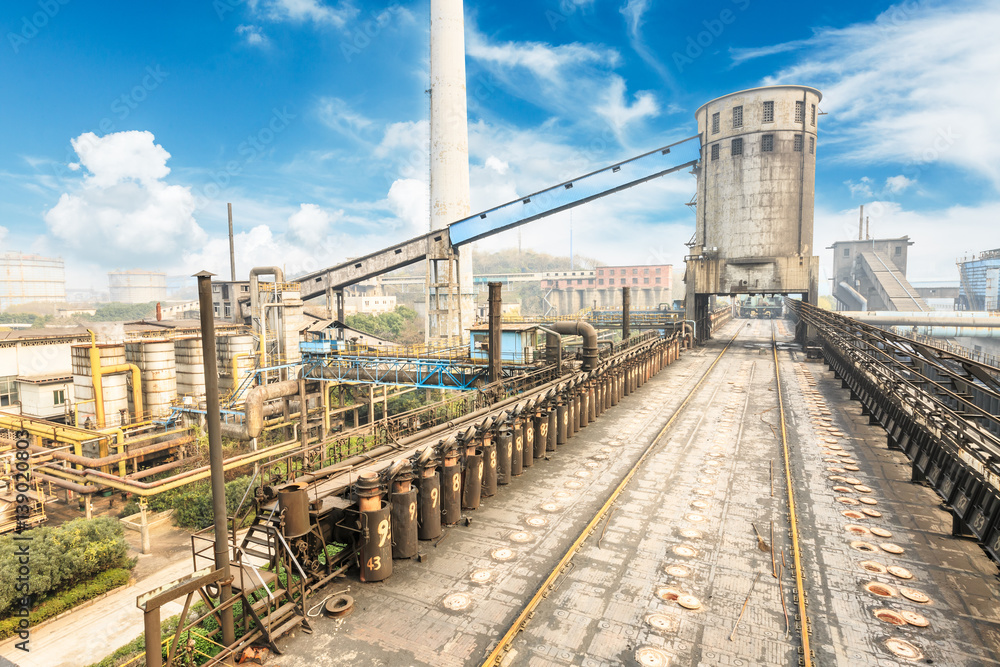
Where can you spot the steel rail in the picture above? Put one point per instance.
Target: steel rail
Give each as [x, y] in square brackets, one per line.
[793, 519]
[503, 646]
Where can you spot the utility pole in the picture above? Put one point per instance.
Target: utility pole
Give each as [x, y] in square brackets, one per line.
[215, 452]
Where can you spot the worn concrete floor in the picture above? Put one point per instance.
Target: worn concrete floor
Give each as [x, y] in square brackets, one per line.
[683, 528]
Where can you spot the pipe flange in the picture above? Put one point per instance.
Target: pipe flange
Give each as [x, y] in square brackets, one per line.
[367, 485]
[339, 605]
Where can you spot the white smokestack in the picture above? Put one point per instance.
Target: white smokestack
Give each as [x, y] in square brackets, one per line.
[450, 135]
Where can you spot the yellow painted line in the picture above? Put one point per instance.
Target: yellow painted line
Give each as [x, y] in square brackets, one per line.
[791, 512]
[519, 624]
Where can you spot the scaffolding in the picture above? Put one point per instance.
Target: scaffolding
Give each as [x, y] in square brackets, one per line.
[979, 286]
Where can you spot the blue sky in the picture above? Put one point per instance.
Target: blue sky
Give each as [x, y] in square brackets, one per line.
[125, 129]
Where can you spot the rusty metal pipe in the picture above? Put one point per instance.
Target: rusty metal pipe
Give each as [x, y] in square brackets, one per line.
[113, 458]
[589, 333]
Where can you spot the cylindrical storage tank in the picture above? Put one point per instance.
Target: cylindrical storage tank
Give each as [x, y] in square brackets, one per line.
[404, 514]
[115, 386]
[505, 442]
[473, 489]
[376, 543]
[558, 419]
[489, 469]
[156, 360]
[528, 440]
[541, 433]
[430, 505]
[584, 407]
[293, 503]
[756, 188]
[234, 349]
[190, 366]
[451, 492]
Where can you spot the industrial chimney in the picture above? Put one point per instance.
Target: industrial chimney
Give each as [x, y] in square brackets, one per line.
[449, 129]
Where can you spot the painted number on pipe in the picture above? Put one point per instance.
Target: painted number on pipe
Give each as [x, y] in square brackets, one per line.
[413, 511]
[456, 483]
[518, 445]
[374, 563]
[383, 533]
[434, 498]
[493, 459]
[544, 430]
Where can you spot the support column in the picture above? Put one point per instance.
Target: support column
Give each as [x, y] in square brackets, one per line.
[626, 310]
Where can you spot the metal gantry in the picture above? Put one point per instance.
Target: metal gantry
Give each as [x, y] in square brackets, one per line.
[941, 409]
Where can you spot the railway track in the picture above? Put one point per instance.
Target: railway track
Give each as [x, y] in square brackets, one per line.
[498, 655]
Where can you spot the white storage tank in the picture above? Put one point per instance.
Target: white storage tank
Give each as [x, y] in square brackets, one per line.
[115, 387]
[230, 348]
[156, 360]
[190, 367]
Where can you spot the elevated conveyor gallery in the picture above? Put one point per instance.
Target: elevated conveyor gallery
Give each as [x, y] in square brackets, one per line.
[889, 284]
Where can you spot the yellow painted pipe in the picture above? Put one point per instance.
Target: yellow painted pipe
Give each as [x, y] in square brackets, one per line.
[95, 376]
[124, 485]
[136, 384]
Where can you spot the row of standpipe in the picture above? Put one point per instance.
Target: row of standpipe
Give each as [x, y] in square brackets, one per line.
[415, 498]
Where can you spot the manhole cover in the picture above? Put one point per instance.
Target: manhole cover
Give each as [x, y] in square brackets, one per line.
[706, 480]
[691, 534]
[868, 501]
[856, 529]
[713, 463]
[848, 463]
[899, 572]
[847, 501]
[872, 566]
[550, 507]
[699, 504]
[852, 480]
[481, 576]
[715, 453]
[881, 590]
[583, 473]
[651, 657]
[913, 594]
[685, 551]
[835, 448]
[889, 616]
[861, 488]
[843, 454]
[607, 450]
[872, 513]
[903, 649]
[668, 594]
[661, 622]
[536, 521]
[339, 605]
[502, 554]
[573, 484]
[881, 532]
[837, 478]
[704, 492]
[457, 601]
[891, 548]
[913, 618]
[590, 464]
[520, 536]
[694, 518]
[678, 571]
[853, 514]
[843, 489]
[852, 468]
[561, 494]
[689, 602]
[832, 469]
[864, 546]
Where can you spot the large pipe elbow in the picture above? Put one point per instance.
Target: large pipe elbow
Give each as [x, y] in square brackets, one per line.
[253, 409]
[589, 333]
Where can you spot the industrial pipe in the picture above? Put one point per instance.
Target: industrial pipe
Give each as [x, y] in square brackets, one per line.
[255, 310]
[956, 332]
[113, 458]
[589, 333]
[962, 319]
[66, 484]
[253, 409]
[98, 372]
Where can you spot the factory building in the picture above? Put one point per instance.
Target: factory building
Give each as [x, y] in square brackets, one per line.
[870, 274]
[600, 288]
[137, 286]
[755, 193]
[979, 287]
[30, 278]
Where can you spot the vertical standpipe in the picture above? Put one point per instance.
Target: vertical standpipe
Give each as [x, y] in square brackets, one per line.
[495, 332]
[215, 452]
[376, 529]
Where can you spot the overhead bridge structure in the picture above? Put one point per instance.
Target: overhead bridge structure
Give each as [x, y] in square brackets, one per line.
[564, 196]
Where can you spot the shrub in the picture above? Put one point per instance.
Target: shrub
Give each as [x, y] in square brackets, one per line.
[57, 603]
[62, 556]
[192, 504]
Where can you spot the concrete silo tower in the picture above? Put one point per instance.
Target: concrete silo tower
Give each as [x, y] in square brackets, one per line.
[756, 192]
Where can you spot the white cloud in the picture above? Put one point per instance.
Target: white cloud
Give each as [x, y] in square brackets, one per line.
[305, 11]
[123, 207]
[617, 111]
[338, 115]
[409, 199]
[912, 87]
[404, 137]
[861, 188]
[310, 224]
[252, 34]
[634, 11]
[497, 165]
[3, 235]
[543, 60]
[897, 184]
